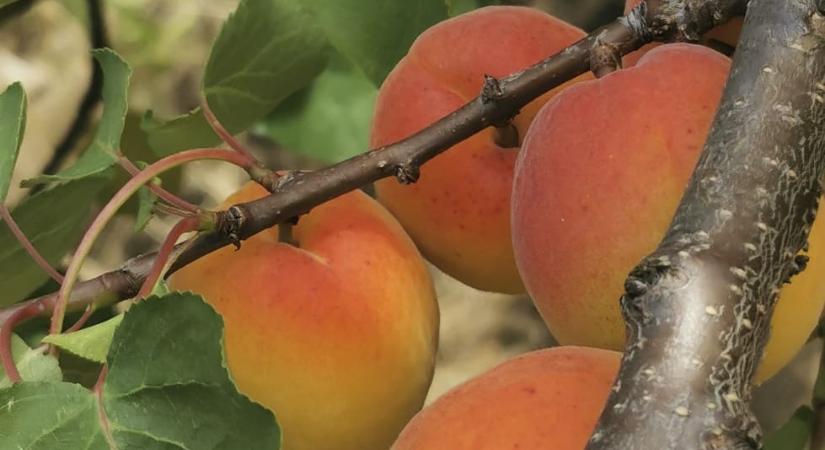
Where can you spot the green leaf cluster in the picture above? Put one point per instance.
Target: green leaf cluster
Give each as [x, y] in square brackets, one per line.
[166, 387]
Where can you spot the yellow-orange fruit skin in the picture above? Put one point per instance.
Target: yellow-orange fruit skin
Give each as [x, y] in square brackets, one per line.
[548, 399]
[458, 211]
[598, 181]
[337, 337]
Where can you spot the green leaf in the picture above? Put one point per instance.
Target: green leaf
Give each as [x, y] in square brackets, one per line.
[50, 416]
[161, 288]
[103, 151]
[168, 350]
[340, 101]
[52, 238]
[266, 50]
[167, 388]
[375, 34]
[91, 343]
[12, 126]
[6, 2]
[33, 365]
[456, 7]
[795, 433]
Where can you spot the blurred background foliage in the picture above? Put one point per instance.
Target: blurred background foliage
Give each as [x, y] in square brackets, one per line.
[45, 44]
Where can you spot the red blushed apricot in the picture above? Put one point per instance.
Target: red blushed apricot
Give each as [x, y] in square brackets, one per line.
[338, 335]
[458, 211]
[548, 399]
[598, 180]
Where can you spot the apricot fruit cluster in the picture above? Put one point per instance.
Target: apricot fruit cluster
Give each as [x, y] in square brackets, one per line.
[337, 331]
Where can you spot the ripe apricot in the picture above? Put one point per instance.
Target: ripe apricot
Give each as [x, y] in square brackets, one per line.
[337, 335]
[458, 211]
[547, 399]
[599, 178]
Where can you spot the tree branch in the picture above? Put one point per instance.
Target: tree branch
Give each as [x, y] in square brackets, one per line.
[698, 309]
[98, 38]
[296, 193]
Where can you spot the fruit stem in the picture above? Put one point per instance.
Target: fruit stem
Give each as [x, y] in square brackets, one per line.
[6, 329]
[108, 211]
[506, 136]
[285, 233]
[165, 258]
[27, 245]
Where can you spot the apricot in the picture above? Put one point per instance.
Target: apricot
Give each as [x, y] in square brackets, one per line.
[336, 335]
[458, 211]
[598, 180]
[727, 34]
[547, 399]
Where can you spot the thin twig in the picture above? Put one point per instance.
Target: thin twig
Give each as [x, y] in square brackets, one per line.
[99, 38]
[109, 210]
[222, 132]
[162, 193]
[165, 256]
[27, 245]
[6, 328]
[82, 320]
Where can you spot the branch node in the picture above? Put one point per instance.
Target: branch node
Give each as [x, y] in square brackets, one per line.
[286, 179]
[635, 287]
[491, 92]
[605, 58]
[636, 22]
[817, 20]
[646, 274]
[797, 265]
[407, 173]
[230, 223]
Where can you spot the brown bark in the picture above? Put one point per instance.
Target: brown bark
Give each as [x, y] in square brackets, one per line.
[698, 309]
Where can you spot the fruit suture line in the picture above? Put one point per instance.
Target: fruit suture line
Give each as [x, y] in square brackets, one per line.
[297, 192]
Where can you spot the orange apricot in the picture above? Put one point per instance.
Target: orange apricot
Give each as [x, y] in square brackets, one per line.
[598, 180]
[458, 211]
[336, 335]
[547, 399]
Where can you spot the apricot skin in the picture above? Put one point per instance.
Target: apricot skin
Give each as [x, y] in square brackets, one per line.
[337, 337]
[598, 181]
[548, 399]
[458, 211]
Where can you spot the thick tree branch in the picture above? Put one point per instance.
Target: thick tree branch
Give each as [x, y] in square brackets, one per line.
[296, 193]
[698, 309]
